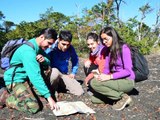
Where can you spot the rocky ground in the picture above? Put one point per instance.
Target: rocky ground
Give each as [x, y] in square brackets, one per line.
[146, 97]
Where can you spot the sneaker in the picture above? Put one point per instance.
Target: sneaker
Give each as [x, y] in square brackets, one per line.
[121, 104]
[3, 97]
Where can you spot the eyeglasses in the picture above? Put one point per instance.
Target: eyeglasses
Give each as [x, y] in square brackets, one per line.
[105, 40]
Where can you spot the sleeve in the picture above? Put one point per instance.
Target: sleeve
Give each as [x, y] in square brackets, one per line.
[74, 60]
[48, 50]
[33, 71]
[46, 57]
[127, 61]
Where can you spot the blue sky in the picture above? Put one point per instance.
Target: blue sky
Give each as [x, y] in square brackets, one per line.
[29, 10]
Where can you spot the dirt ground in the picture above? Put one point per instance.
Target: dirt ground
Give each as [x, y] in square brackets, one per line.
[146, 97]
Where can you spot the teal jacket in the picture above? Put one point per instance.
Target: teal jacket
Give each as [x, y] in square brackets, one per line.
[26, 55]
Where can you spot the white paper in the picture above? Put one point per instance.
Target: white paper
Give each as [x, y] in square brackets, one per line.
[67, 108]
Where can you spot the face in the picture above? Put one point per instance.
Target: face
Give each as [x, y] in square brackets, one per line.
[107, 40]
[47, 43]
[92, 45]
[63, 45]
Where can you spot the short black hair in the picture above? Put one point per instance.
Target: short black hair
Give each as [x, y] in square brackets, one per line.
[65, 35]
[48, 33]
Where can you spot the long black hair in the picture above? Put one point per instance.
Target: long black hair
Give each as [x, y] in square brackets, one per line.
[117, 43]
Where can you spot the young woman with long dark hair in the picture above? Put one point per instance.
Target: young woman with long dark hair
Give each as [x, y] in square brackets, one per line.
[118, 77]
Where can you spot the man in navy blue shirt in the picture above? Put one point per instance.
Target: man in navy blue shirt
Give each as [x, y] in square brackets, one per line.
[60, 55]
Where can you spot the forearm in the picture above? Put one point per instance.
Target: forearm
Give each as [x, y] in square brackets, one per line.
[121, 74]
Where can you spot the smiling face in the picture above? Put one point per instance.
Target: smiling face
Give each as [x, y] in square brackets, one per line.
[107, 40]
[92, 45]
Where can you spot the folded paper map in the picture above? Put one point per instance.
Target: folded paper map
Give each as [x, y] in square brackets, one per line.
[67, 108]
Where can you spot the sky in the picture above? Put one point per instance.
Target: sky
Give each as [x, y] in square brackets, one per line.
[30, 10]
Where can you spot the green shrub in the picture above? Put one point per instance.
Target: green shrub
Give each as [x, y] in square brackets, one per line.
[81, 47]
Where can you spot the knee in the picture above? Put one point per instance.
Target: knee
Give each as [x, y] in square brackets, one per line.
[55, 74]
[33, 107]
[80, 92]
[28, 105]
[93, 83]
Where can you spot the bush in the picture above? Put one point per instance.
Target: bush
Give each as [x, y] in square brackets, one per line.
[81, 47]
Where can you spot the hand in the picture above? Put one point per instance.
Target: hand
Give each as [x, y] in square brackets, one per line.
[40, 58]
[95, 72]
[88, 78]
[71, 76]
[52, 103]
[87, 63]
[103, 77]
[86, 82]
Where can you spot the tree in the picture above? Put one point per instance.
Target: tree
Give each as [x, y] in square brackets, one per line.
[25, 30]
[44, 16]
[78, 23]
[1, 19]
[100, 15]
[1, 15]
[2, 33]
[118, 3]
[157, 28]
[54, 20]
[146, 9]
[8, 25]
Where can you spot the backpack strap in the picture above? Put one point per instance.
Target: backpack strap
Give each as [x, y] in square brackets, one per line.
[14, 71]
[29, 44]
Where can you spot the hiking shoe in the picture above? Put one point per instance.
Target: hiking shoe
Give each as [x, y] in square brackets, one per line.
[3, 97]
[121, 104]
